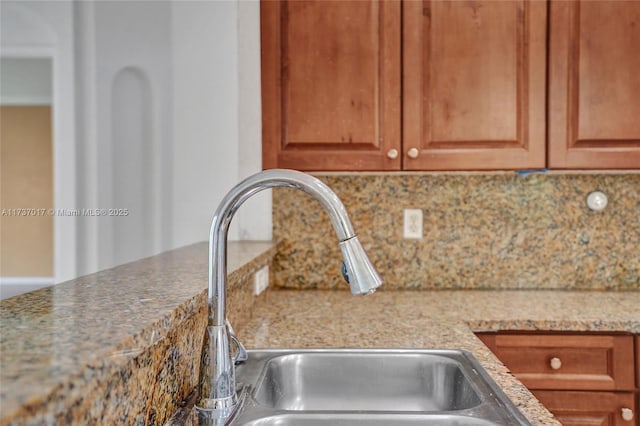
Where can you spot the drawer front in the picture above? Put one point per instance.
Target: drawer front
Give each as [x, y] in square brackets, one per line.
[576, 362]
[576, 408]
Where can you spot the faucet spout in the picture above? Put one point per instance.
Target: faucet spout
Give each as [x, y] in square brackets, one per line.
[217, 371]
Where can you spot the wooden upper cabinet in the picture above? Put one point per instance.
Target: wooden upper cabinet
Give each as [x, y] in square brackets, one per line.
[450, 85]
[474, 84]
[331, 84]
[594, 84]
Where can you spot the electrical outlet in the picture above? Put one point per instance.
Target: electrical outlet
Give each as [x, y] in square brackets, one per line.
[261, 280]
[412, 224]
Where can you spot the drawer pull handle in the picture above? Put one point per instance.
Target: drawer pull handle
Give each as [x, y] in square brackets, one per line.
[555, 363]
[627, 414]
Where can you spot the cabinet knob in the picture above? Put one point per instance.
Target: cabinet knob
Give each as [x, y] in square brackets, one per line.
[413, 153]
[392, 154]
[555, 363]
[627, 414]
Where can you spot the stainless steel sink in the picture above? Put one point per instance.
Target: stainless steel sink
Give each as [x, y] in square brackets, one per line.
[367, 419]
[369, 387]
[368, 381]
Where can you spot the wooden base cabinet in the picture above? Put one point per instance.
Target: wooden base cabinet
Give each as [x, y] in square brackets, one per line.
[584, 379]
[638, 364]
[567, 361]
[579, 408]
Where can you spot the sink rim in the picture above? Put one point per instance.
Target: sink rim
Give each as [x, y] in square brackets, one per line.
[495, 405]
[409, 418]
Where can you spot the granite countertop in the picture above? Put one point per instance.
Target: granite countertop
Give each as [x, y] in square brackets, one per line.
[437, 319]
[119, 346]
[62, 345]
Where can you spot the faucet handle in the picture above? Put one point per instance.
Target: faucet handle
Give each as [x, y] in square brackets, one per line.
[241, 355]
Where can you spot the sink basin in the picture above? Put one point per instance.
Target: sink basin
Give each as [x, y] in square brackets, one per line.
[369, 387]
[365, 381]
[368, 419]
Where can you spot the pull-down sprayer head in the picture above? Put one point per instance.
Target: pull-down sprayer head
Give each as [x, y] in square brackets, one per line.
[357, 269]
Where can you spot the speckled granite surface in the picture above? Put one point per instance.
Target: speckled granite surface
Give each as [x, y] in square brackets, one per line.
[117, 347]
[121, 346]
[437, 319]
[484, 230]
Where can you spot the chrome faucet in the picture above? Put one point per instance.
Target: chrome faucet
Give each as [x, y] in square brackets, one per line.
[218, 399]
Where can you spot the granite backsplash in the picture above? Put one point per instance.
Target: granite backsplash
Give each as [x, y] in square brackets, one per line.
[501, 230]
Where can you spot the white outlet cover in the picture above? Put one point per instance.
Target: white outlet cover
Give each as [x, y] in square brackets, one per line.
[261, 280]
[412, 229]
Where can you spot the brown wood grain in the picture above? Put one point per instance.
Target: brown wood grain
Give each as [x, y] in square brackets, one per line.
[594, 84]
[638, 364]
[331, 84]
[474, 84]
[474, 93]
[575, 408]
[589, 362]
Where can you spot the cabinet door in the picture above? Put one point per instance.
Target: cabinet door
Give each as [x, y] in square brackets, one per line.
[594, 84]
[474, 84]
[331, 84]
[588, 408]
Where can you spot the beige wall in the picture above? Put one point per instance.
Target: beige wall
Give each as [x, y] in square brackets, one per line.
[26, 242]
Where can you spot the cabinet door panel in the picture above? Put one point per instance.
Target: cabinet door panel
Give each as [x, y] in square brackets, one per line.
[331, 84]
[474, 84]
[594, 84]
[587, 408]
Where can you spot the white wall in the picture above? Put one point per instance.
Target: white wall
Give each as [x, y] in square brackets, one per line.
[44, 29]
[217, 118]
[26, 81]
[201, 63]
[205, 112]
[124, 52]
[255, 216]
